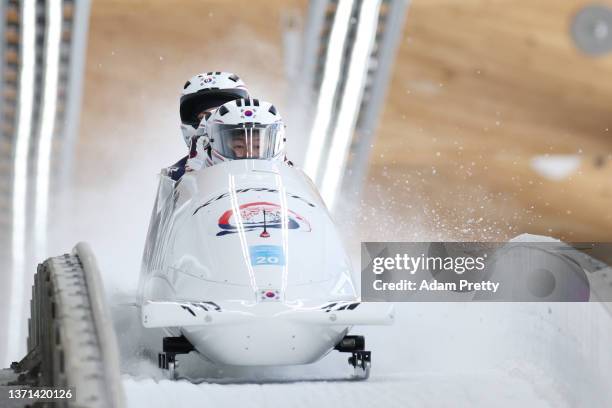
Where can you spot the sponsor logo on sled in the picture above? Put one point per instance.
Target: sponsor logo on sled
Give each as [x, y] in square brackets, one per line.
[261, 216]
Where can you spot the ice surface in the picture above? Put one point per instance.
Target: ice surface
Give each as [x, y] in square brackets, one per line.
[444, 354]
[411, 389]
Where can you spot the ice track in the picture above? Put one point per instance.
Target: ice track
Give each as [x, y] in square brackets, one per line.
[436, 355]
[417, 389]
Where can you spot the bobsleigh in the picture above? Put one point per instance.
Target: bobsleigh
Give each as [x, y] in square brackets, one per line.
[244, 265]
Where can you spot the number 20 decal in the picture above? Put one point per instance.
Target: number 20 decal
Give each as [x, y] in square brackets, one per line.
[267, 260]
[267, 255]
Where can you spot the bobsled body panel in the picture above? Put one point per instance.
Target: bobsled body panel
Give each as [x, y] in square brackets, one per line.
[255, 237]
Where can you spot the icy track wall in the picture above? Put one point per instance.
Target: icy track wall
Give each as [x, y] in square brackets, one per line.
[563, 347]
[571, 343]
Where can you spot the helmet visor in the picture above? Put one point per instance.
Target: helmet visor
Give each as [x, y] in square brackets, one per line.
[193, 104]
[247, 141]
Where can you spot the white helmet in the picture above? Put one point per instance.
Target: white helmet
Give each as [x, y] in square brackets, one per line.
[246, 129]
[204, 92]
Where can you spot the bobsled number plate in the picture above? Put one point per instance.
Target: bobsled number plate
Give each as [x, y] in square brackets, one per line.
[267, 255]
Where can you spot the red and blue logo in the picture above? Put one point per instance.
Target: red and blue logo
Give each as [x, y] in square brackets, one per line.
[260, 216]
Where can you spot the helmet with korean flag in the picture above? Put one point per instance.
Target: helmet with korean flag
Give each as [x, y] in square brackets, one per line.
[202, 94]
[246, 129]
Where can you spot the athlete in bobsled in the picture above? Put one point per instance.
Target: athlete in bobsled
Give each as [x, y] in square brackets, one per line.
[201, 95]
[243, 129]
[243, 264]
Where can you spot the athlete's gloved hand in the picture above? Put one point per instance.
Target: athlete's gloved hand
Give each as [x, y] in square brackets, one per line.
[197, 153]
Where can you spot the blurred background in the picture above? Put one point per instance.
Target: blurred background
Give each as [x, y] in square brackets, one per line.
[422, 120]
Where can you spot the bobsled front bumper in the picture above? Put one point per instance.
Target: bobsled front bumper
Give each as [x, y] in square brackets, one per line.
[265, 333]
[186, 314]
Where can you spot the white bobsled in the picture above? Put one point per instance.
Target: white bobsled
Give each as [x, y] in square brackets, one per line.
[244, 265]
